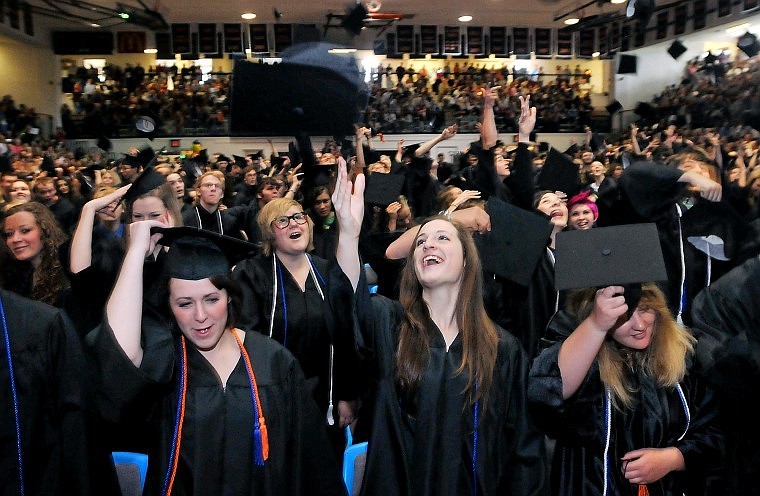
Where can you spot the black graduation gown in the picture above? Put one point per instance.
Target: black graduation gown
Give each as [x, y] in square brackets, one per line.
[310, 324]
[657, 420]
[216, 452]
[49, 372]
[727, 324]
[653, 191]
[524, 310]
[421, 443]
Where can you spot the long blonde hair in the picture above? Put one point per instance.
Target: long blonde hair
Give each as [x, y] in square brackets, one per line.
[664, 360]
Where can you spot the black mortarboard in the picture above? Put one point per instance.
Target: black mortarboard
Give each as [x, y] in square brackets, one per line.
[196, 254]
[317, 92]
[148, 180]
[625, 255]
[559, 173]
[240, 161]
[383, 189]
[144, 158]
[193, 165]
[223, 158]
[258, 154]
[517, 240]
[104, 144]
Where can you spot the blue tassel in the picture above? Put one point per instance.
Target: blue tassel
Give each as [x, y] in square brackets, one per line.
[258, 450]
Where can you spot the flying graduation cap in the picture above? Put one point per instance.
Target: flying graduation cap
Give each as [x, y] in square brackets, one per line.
[517, 241]
[627, 255]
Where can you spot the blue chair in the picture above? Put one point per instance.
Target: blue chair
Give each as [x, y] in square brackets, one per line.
[131, 469]
[354, 459]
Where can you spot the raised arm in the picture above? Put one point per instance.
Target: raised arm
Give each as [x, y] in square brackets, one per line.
[488, 132]
[447, 133]
[348, 200]
[474, 218]
[81, 244]
[579, 350]
[124, 307]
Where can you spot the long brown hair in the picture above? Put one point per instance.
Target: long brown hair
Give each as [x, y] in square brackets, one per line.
[664, 359]
[479, 337]
[49, 277]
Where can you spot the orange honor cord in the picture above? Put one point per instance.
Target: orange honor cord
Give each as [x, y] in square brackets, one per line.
[260, 434]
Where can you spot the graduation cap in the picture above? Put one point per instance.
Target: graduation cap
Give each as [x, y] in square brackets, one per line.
[144, 158]
[104, 144]
[517, 240]
[240, 161]
[627, 255]
[257, 155]
[148, 180]
[312, 90]
[196, 254]
[383, 189]
[146, 124]
[559, 173]
[192, 165]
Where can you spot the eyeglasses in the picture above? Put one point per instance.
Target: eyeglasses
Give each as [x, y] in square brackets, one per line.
[210, 185]
[284, 221]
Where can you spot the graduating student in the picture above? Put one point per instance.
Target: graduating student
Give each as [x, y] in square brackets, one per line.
[450, 399]
[727, 325]
[42, 419]
[224, 411]
[285, 297]
[612, 383]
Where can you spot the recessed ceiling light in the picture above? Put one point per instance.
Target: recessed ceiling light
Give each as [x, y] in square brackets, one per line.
[465, 18]
[572, 20]
[248, 16]
[595, 54]
[617, 1]
[150, 50]
[95, 25]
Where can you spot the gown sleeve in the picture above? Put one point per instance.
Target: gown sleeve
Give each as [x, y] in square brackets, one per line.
[121, 389]
[568, 419]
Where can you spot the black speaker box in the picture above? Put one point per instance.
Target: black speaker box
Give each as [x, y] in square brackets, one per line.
[82, 42]
[627, 64]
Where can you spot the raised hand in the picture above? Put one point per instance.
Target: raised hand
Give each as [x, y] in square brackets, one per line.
[609, 305]
[348, 200]
[527, 120]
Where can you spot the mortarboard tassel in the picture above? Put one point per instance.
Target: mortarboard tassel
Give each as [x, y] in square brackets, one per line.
[643, 490]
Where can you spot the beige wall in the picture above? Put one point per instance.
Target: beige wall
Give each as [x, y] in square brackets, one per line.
[30, 74]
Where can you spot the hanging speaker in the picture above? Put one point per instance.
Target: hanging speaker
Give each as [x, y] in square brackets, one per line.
[627, 64]
[676, 49]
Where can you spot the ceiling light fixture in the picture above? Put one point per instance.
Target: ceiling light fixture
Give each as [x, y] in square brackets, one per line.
[617, 1]
[123, 15]
[595, 54]
[465, 18]
[573, 19]
[248, 16]
[150, 50]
